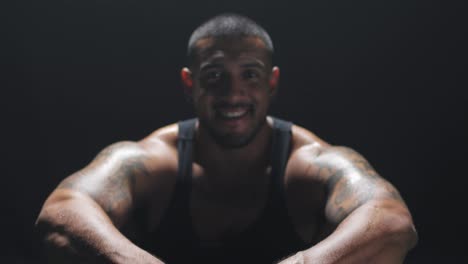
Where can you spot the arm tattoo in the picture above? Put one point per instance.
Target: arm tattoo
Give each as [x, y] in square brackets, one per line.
[111, 177]
[119, 187]
[351, 181]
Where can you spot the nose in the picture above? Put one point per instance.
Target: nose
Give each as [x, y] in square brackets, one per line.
[233, 87]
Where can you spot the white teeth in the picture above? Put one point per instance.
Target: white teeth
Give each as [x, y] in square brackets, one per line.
[232, 114]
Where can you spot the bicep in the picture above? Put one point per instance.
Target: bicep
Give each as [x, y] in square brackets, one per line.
[110, 179]
[350, 182]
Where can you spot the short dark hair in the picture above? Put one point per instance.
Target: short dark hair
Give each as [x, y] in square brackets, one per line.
[228, 25]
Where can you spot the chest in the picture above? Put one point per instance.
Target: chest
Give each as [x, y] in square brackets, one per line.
[219, 211]
[211, 212]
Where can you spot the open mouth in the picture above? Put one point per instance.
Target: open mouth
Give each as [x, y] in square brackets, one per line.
[234, 112]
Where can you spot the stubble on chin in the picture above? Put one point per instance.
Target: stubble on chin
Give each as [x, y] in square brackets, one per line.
[231, 141]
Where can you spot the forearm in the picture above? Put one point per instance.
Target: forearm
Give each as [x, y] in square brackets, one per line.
[376, 232]
[76, 230]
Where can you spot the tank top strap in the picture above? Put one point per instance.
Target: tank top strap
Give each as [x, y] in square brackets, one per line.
[175, 230]
[185, 150]
[275, 221]
[178, 212]
[280, 153]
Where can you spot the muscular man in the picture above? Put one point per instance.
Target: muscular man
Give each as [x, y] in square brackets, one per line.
[232, 186]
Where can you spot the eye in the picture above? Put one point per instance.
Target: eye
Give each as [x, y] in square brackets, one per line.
[250, 74]
[212, 76]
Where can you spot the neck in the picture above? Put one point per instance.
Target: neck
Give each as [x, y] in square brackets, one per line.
[253, 157]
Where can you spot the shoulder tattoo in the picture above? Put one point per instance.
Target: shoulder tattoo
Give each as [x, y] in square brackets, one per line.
[110, 178]
[351, 181]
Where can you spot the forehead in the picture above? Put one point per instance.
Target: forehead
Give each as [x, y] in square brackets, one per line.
[231, 48]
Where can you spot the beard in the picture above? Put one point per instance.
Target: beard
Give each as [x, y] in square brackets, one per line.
[230, 140]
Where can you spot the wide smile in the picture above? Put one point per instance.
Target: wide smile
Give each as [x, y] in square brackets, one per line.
[233, 112]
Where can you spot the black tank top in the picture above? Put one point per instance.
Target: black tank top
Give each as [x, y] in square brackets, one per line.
[270, 238]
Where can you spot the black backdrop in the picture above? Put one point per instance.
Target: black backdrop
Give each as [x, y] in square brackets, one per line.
[383, 77]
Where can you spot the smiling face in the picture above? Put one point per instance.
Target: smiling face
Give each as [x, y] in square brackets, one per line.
[231, 83]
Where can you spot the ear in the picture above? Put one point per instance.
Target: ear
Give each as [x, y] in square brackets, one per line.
[187, 81]
[186, 76]
[274, 79]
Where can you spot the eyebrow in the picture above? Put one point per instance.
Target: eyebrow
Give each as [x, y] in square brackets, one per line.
[255, 64]
[210, 65]
[213, 64]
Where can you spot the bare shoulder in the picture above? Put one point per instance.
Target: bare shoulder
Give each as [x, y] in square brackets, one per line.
[148, 157]
[128, 173]
[333, 166]
[166, 135]
[342, 177]
[313, 157]
[303, 138]
[347, 179]
[305, 194]
[306, 147]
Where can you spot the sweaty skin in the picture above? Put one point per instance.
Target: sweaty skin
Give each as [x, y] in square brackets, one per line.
[335, 199]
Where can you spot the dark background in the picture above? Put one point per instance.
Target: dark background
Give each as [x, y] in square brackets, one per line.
[383, 77]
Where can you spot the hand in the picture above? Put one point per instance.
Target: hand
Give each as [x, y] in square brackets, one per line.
[297, 258]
